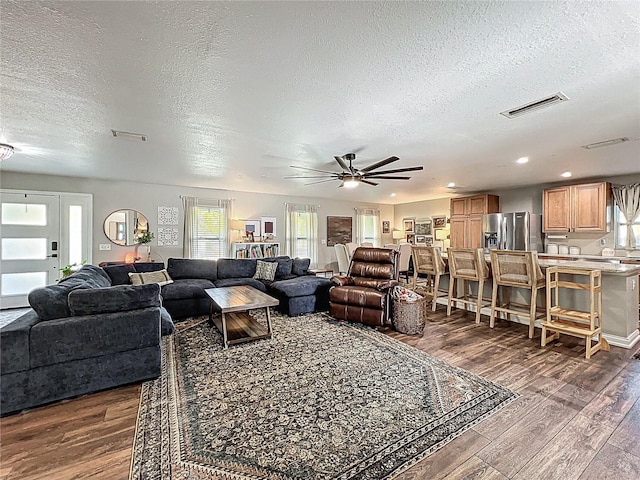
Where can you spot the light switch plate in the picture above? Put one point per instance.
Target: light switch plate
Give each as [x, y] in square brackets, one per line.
[105, 246]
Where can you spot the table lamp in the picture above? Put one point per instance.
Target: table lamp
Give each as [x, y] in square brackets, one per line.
[398, 234]
[442, 235]
[237, 226]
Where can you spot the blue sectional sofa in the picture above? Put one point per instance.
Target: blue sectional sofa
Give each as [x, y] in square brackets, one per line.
[94, 330]
[83, 335]
[297, 290]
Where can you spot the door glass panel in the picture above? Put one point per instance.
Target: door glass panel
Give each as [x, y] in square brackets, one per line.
[24, 248]
[22, 283]
[24, 214]
[75, 234]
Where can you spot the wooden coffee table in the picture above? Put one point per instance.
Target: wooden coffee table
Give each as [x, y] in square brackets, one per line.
[236, 325]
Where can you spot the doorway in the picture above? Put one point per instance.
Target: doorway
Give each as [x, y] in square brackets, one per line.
[41, 232]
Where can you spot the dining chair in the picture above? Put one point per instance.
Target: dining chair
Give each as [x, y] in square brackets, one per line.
[343, 258]
[405, 258]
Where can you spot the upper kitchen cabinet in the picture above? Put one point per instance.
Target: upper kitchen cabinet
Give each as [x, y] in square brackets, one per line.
[466, 219]
[577, 208]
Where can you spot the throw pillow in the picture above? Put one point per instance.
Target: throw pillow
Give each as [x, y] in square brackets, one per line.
[265, 270]
[161, 277]
[300, 266]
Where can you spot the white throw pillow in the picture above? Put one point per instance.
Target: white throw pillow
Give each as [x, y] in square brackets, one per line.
[265, 270]
[161, 277]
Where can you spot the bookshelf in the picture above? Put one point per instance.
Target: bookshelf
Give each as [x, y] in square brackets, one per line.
[255, 250]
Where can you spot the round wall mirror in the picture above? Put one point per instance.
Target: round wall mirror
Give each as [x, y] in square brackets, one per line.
[123, 227]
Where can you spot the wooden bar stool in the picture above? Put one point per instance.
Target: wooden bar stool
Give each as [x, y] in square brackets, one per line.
[428, 261]
[512, 268]
[468, 265]
[579, 323]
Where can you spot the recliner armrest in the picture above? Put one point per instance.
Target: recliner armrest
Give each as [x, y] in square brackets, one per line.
[387, 284]
[341, 281]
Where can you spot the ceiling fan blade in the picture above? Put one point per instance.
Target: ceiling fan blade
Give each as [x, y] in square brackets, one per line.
[322, 181]
[343, 165]
[368, 182]
[386, 177]
[288, 177]
[381, 163]
[313, 169]
[397, 170]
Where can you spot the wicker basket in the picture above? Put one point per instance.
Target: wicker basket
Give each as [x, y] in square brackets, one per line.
[409, 317]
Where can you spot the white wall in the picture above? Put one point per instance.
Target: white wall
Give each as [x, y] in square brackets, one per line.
[109, 196]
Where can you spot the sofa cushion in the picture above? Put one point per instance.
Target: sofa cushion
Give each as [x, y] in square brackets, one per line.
[180, 268]
[14, 340]
[232, 282]
[265, 270]
[114, 299]
[161, 277]
[300, 286]
[119, 274]
[186, 289]
[236, 268]
[300, 266]
[166, 322]
[52, 301]
[148, 266]
[75, 338]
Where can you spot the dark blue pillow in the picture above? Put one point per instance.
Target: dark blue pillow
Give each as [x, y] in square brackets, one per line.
[119, 274]
[300, 266]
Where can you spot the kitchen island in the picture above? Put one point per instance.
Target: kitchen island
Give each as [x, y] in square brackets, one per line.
[619, 296]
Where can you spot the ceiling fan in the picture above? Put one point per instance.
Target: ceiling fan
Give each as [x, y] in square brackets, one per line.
[351, 176]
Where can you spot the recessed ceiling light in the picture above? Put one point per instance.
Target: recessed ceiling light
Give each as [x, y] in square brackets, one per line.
[392, 195]
[522, 160]
[451, 185]
[566, 174]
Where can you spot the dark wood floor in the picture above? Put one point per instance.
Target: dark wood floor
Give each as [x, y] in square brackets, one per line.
[575, 419]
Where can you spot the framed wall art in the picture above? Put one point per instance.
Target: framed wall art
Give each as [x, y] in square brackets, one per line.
[252, 229]
[439, 221]
[386, 226]
[411, 238]
[339, 230]
[268, 225]
[423, 226]
[409, 225]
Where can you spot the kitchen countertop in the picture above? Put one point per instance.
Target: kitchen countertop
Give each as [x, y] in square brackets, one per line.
[588, 257]
[604, 267]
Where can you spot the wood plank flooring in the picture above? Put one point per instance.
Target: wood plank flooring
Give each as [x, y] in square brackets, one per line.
[575, 419]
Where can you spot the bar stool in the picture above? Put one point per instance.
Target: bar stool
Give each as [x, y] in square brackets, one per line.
[428, 261]
[579, 323]
[468, 265]
[517, 269]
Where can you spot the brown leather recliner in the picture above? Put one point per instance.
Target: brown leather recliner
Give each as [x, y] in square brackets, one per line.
[363, 295]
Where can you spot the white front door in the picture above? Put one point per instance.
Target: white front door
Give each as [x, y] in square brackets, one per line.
[29, 249]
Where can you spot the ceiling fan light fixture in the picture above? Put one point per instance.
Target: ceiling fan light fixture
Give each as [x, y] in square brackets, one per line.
[6, 151]
[351, 183]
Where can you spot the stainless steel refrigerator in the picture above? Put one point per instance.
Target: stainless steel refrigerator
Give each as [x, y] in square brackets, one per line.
[512, 231]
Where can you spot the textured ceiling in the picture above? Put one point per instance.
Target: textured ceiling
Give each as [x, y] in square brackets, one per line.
[232, 93]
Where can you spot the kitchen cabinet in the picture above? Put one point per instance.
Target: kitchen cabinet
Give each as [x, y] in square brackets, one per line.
[466, 219]
[577, 208]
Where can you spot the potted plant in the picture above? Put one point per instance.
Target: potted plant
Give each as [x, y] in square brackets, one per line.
[144, 238]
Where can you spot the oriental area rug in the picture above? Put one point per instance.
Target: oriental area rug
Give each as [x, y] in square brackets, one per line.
[321, 400]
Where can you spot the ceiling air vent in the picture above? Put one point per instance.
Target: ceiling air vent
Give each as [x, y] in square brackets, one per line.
[606, 143]
[529, 107]
[137, 136]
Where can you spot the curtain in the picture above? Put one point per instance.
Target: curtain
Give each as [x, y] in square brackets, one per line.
[190, 205]
[368, 226]
[301, 231]
[627, 197]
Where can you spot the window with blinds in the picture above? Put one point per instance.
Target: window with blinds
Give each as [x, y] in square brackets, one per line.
[302, 235]
[210, 238]
[622, 228]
